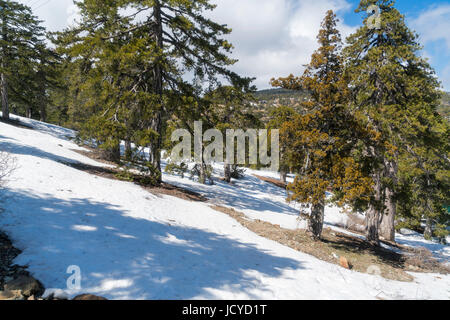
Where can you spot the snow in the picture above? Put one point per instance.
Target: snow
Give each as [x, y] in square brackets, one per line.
[264, 201]
[130, 244]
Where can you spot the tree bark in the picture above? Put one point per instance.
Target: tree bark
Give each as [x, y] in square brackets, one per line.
[128, 150]
[227, 172]
[374, 213]
[202, 174]
[283, 176]
[428, 234]
[387, 227]
[315, 222]
[4, 93]
[156, 123]
[43, 113]
[112, 154]
[3, 78]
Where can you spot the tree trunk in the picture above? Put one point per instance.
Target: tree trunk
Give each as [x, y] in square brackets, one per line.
[387, 227]
[156, 124]
[428, 234]
[4, 93]
[202, 174]
[28, 113]
[227, 172]
[283, 176]
[43, 113]
[3, 78]
[128, 151]
[374, 213]
[112, 154]
[315, 222]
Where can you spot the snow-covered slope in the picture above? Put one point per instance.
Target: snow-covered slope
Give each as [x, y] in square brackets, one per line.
[130, 244]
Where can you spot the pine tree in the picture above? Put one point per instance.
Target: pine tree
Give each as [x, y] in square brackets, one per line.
[228, 108]
[394, 94]
[321, 140]
[153, 43]
[424, 183]
[21, 39]
[278, 117]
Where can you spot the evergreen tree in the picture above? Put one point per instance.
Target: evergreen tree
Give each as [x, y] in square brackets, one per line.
[228, 108]
[21, 42]
[321, 140]
[140, 51]
[278, 117]
[394, 95]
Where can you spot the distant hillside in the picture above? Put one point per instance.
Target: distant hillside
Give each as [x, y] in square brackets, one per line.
[270, 98]
[280, 96]
[444, 109]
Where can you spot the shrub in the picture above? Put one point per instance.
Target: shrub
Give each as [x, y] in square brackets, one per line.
[237, 173]
[174, 168]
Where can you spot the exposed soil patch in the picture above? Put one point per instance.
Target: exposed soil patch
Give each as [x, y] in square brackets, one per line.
[178, 192]
[275, 182]
[163, 188]
[94, 154]
[360, 255]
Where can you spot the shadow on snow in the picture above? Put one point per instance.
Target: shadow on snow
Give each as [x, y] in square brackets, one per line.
[122, 257]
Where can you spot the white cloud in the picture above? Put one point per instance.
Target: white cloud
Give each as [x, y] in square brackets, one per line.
[433, 27]
[434, 24]
[73, 14]
[54, 13]
[274, 38]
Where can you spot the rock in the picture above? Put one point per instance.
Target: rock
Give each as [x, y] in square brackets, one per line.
[27, 285]
[414, 268]
[343, 262]
[88, 297]
[11, 295]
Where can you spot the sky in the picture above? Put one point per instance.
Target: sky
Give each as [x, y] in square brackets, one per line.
[274, 38]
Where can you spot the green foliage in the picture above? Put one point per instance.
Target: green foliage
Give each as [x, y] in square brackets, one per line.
[203, 172]
[26, 64]
[444, 108]
[394, 95]
[129, 71]
[237, 172]
[175, 168]
[318, 143]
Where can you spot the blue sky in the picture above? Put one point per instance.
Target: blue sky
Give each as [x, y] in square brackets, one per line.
[431, 19]
[410, 8]
[274, 38]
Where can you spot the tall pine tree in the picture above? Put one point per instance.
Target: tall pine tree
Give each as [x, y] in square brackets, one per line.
[155, 44]
[394, 94]
[321, 140]
[21, 40]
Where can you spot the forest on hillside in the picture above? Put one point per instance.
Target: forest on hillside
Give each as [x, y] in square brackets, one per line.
[271, 98]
